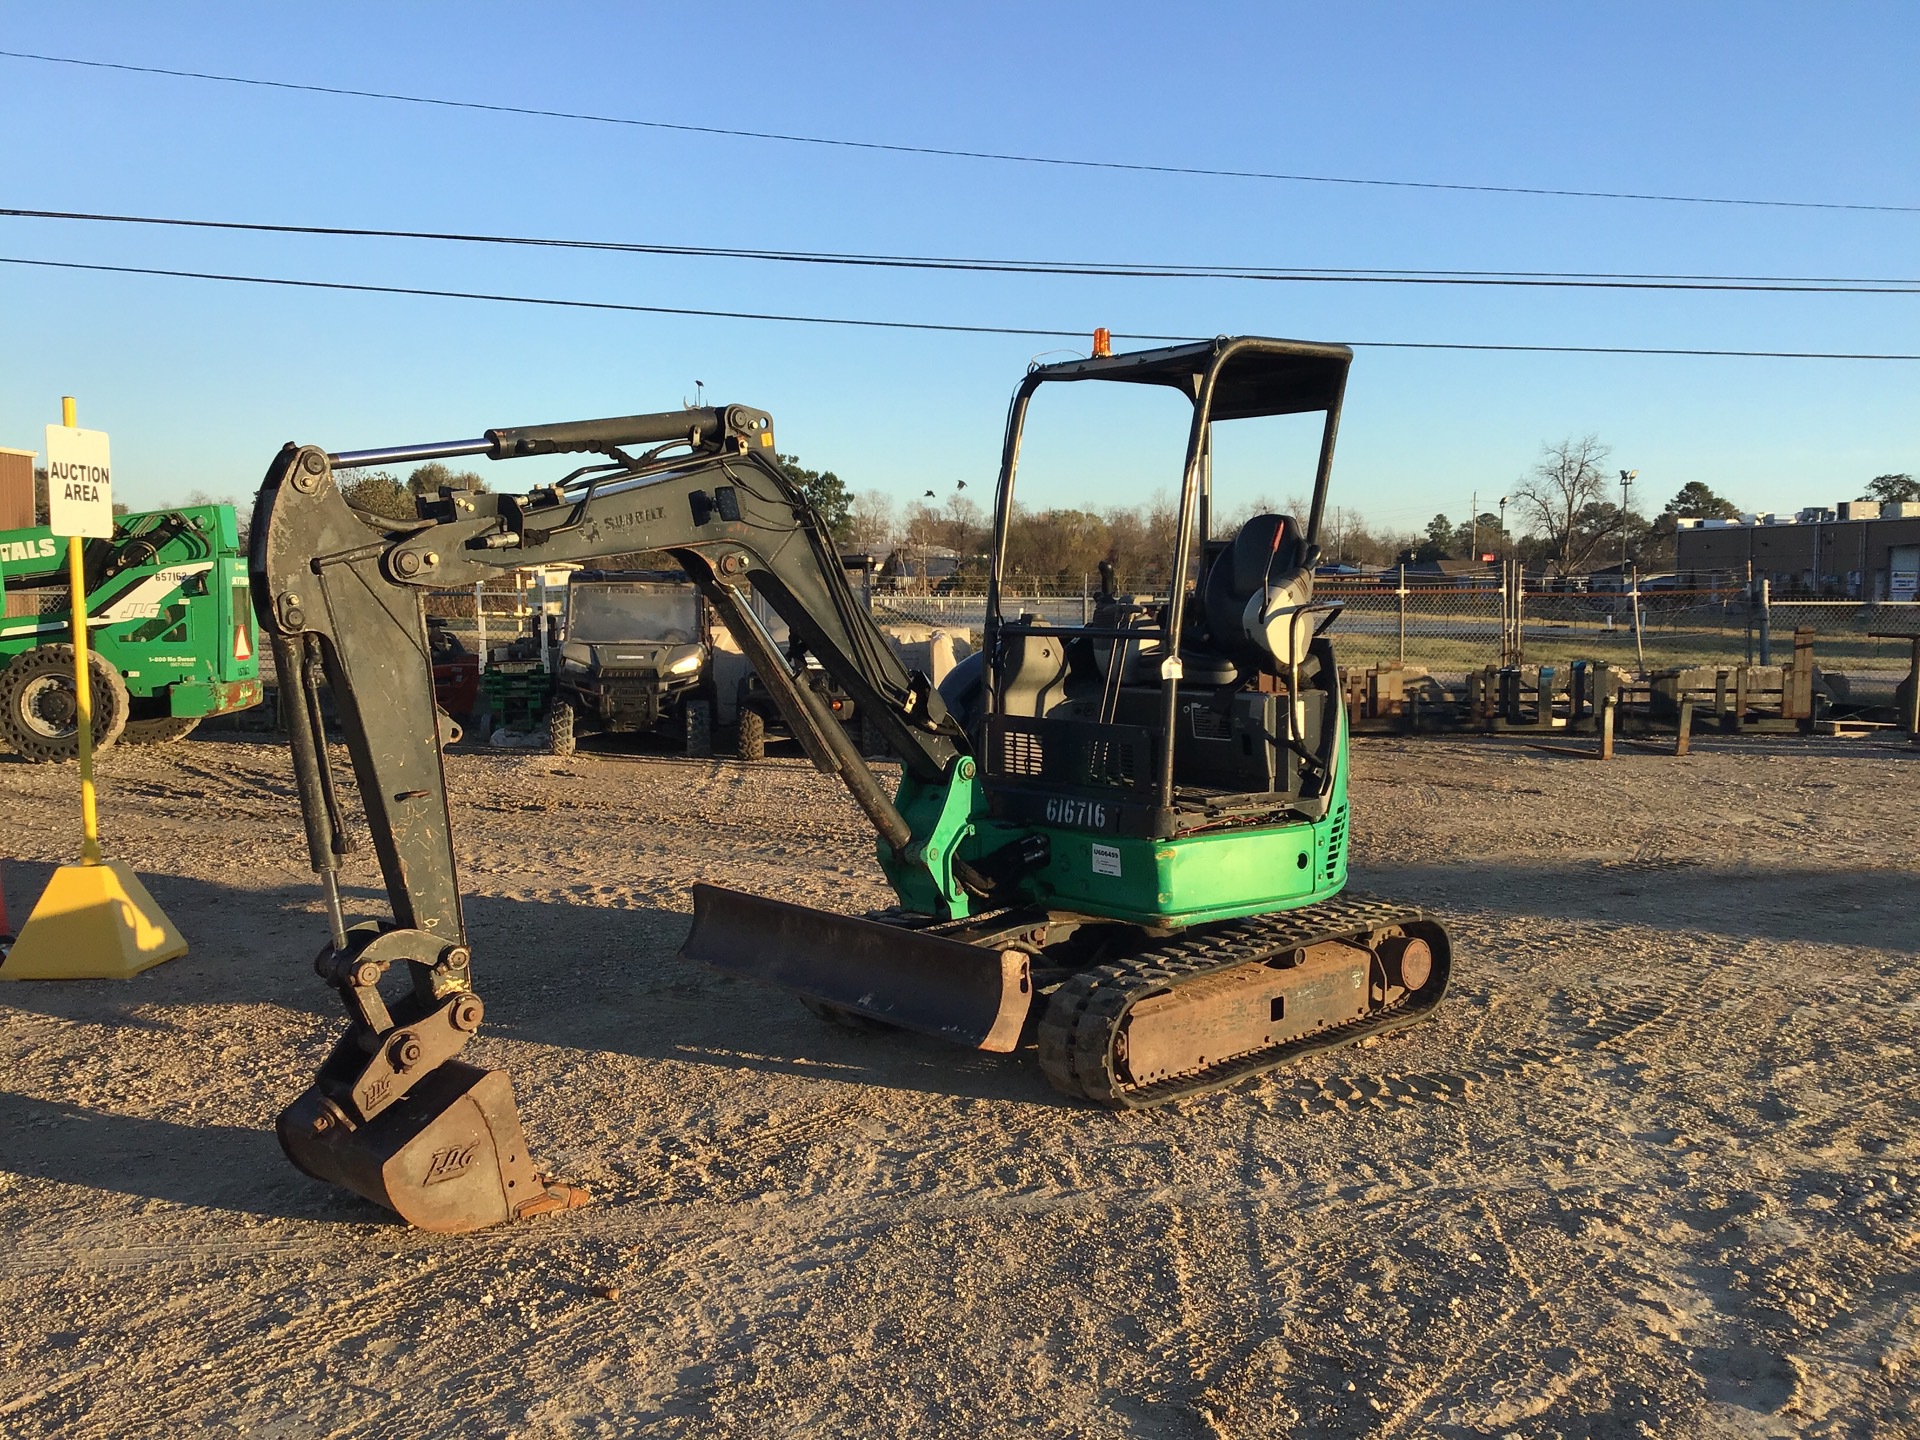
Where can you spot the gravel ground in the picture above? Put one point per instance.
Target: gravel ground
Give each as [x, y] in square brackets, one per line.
[1652, 1169]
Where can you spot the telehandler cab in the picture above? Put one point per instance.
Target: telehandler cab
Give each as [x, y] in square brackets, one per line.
[1124, 841]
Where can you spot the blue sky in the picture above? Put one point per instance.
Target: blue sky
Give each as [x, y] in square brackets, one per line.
[199, 383]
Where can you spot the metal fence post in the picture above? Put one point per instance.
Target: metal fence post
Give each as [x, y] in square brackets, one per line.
[1519, 615]
[480, 620]
[1403, 614]
[541, 621]
[1639, 640]
[1766, 621]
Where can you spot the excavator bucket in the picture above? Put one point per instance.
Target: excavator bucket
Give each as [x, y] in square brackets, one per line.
[964, 993]
[448, 1157]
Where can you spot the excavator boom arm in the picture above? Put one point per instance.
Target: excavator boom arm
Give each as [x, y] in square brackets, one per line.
[340, 595]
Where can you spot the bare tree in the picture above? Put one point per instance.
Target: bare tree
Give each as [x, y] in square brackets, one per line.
[1565, 495]
[872, 521]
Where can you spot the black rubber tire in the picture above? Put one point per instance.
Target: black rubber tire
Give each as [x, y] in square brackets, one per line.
[752, 744]
[698, 720]
[46, 675]
[160, 730]
[560, 728]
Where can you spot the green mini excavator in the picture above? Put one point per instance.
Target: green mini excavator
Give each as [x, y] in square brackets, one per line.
[1122, 843]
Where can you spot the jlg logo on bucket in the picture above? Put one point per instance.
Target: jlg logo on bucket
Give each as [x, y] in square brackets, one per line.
[451, 1163]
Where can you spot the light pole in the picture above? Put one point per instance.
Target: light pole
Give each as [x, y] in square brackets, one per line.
[1503, 527]
[1627, 478]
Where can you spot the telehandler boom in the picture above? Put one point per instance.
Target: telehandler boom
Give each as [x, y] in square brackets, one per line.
[1124, 842]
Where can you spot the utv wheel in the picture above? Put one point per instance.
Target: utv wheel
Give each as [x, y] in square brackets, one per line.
[753, 736]
[699, 722]
[39, 711]
[560, 728]
[161, 730]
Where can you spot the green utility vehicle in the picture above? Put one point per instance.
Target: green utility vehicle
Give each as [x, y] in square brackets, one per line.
[171, 632]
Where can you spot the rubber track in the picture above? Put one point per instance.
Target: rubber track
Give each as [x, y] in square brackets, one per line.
[1076, 1031]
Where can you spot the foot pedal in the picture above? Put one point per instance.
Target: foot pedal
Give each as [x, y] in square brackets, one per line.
[448, 1157]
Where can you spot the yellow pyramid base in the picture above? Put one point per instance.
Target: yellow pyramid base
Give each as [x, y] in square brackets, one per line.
[94, 922]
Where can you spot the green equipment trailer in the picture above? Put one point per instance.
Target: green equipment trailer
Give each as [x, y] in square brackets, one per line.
[170, 630]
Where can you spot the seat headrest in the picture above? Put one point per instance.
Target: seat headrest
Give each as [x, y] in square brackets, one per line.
[1267, 547]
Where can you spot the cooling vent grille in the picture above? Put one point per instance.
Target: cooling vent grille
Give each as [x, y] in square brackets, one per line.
[1336, 841]
[1020, 753]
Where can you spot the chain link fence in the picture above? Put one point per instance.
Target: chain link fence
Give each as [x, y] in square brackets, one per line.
[1448, 629]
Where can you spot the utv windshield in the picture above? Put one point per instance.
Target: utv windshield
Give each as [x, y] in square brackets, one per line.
[611, 614]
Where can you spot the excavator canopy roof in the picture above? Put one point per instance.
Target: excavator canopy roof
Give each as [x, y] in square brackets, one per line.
[1256, 376]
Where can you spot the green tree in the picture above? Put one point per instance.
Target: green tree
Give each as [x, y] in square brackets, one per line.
[381, 494]
[825, 491]
[1893, 489]
[1696, 502]
[1436, 545]
[1478, 536]
[426, 480]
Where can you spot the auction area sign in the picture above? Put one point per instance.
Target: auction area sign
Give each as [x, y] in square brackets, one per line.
[79, 483]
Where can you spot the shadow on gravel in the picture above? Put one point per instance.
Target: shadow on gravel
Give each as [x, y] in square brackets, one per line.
[244, 947]
[589, 977]
[224, 1167]
[571, 975]
[1842, 907]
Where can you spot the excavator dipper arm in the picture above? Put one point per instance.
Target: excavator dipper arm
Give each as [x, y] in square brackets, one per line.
[394, 1114]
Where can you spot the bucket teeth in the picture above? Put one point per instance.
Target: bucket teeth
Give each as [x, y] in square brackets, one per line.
[449, 1156]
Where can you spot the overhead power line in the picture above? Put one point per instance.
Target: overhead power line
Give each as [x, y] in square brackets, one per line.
[921, 325]
[952, 153]
[1127, 270]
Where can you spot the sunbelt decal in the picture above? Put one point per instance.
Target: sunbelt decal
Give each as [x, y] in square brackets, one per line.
[26, 549]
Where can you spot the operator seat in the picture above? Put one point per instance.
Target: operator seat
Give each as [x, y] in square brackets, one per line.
[1269, 550]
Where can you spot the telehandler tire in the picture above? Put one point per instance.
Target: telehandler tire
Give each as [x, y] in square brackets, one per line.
[752, 744]
[39, 710]
[560, 728]
[160, 730]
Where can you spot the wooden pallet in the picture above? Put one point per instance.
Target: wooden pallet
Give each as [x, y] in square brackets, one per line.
[1851, 729]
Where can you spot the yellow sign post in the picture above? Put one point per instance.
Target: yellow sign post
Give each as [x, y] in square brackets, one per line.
[95, 920]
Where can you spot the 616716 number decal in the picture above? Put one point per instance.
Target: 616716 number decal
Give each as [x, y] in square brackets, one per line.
[1088, 814]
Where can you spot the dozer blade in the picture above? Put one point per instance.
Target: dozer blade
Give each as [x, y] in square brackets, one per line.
[964, 993]
[448, 1157]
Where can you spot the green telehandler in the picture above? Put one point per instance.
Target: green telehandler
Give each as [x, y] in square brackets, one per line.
[1123, 843]
[170, 629]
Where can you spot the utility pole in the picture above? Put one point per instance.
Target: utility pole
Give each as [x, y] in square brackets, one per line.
[1627, 477]
[1473, 542]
